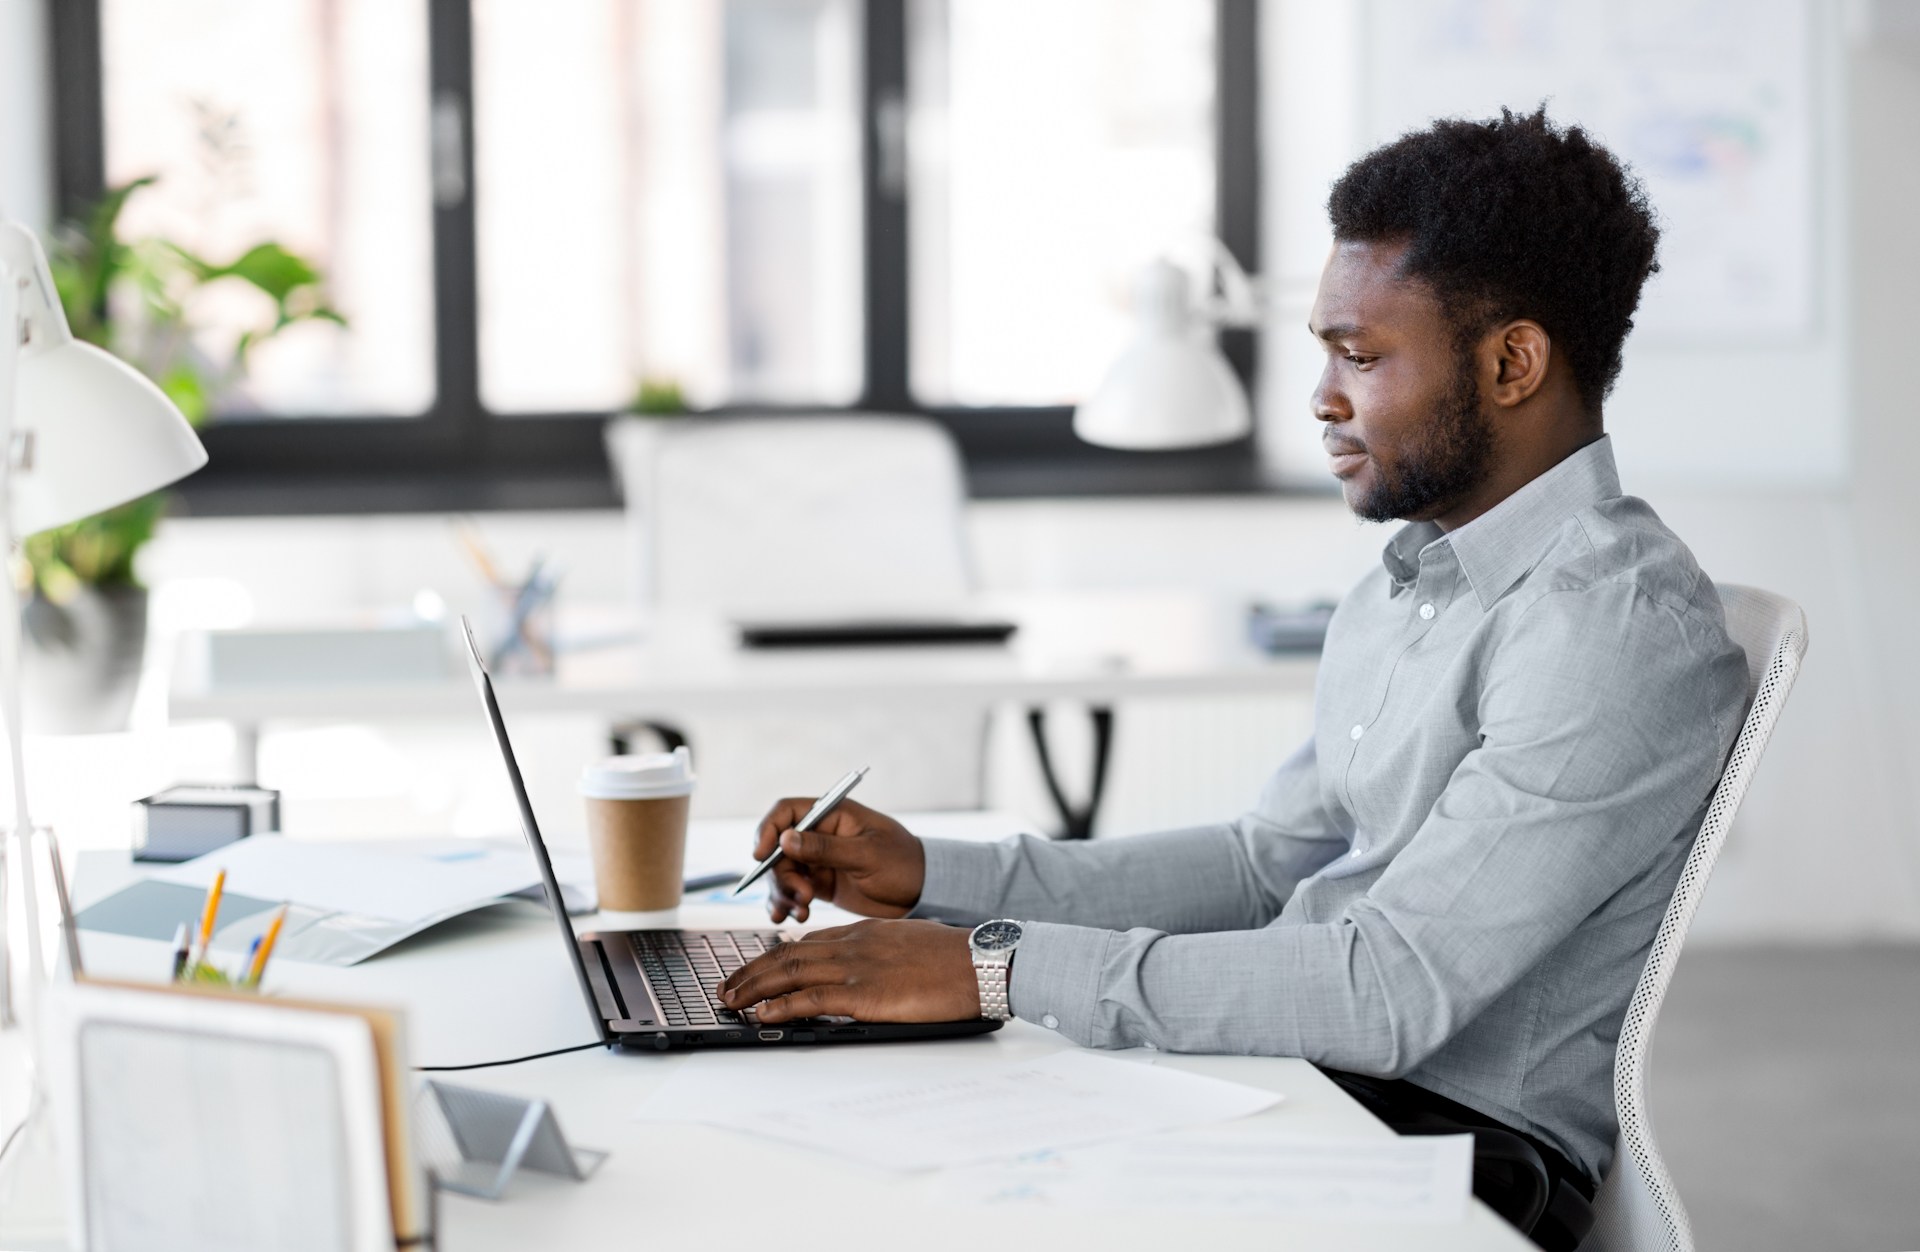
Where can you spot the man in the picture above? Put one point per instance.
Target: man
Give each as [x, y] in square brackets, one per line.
[1446, 897]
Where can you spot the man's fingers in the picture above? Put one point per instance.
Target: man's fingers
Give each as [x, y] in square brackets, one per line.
[816, 1001]
[779, 907]
[780, 817]
[787, 968]
[845, 849]
[792, 891]
[793, 881]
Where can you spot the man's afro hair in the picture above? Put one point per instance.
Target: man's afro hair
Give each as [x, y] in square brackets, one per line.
[1512, 217]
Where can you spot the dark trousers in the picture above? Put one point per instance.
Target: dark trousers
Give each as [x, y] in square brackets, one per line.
[1530, 1184]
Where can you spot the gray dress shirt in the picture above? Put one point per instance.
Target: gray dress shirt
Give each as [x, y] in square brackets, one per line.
[1517, 727]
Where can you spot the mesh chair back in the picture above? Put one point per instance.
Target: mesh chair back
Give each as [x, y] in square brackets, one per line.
[1637, 1208]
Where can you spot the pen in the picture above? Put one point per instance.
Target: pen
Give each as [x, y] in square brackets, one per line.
[210, 912]
[258, 966]
[821, 807]
[707, 882]
[180, 950]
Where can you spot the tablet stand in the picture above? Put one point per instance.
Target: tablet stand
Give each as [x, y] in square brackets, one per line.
[473, 1140]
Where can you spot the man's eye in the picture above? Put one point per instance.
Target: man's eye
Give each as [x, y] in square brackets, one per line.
[1361, 361]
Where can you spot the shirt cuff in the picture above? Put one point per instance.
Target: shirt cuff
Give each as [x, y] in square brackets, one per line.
[961, 884]
[1055, 979]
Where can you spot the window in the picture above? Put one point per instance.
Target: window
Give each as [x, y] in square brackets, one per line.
[667, 189]
[304, 123]
[525, 211]
[1054, 150]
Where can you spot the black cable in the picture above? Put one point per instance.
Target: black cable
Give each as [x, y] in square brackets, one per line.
[512, 1060]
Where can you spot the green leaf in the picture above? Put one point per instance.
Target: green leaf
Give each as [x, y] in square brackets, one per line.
[274, 270]
[658, 396]
[188, 391]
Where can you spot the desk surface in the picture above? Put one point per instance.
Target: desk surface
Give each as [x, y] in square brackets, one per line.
[494, 984]
[1099, 647]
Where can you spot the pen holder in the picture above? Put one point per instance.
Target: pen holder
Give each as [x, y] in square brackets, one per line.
[206, 974]
[473, 1141]
[523, 628]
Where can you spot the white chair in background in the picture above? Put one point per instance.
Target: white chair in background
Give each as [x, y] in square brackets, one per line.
[1638, 1208]
[784, 517]
[801, 515]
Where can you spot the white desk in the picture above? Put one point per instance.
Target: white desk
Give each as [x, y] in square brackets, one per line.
[495, 985]
[1098, 648]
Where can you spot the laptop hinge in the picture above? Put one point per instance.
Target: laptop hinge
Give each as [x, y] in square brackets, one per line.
[606, 993]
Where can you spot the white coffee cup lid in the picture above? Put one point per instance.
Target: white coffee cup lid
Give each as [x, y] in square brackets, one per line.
[647, 777]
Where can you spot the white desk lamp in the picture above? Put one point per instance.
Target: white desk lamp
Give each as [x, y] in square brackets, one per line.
[80, 431]
[1170, 387]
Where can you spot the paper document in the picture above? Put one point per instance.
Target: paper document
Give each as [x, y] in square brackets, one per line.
[964, 1113]
[394, 883]
[1254, 1174]
[350, 900]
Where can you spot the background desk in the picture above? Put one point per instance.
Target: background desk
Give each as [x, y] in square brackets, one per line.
[495, 985]
[1099, 649]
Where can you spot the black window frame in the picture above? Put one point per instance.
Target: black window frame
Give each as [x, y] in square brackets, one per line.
[458, 456]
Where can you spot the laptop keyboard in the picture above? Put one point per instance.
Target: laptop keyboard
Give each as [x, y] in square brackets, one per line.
[685, 970]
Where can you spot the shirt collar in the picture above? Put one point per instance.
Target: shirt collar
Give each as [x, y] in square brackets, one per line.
[1503, 543]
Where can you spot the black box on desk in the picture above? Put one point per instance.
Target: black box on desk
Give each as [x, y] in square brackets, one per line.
[193, 819]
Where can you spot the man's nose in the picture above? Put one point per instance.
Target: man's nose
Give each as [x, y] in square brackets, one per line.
[1328, 403]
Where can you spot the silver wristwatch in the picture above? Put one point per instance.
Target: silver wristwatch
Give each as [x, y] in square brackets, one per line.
[993, 944]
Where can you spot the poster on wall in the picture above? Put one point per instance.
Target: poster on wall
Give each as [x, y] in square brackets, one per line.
[1710, 101]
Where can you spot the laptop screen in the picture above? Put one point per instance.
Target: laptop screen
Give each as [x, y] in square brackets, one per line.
[484, 685]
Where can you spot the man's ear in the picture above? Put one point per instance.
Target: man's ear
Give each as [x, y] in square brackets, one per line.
[1521, 351]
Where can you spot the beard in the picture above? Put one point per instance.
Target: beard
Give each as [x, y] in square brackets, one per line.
[1449, 459]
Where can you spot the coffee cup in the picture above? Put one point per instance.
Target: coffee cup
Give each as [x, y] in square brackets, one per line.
[637, 828]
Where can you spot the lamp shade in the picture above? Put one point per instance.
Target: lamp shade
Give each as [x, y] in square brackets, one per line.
[98, 432]
[103, 434]
[1170, 388]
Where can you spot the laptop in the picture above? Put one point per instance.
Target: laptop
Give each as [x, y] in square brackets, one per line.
[655, 988]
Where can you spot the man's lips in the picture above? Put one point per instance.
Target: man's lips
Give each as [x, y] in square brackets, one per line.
[1344, 459]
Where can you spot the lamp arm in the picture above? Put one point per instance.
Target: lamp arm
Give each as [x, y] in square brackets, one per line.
[1238, 303]
[19, 840]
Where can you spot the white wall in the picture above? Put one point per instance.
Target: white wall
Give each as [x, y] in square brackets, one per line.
[1828, 846]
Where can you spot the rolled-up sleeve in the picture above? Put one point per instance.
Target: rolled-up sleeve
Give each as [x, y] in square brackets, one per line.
[1596, 754]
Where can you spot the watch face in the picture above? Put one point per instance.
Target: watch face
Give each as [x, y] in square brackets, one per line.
[996, 936]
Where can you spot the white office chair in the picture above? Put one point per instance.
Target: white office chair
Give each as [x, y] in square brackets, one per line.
[1637, 1208]
[779, 517]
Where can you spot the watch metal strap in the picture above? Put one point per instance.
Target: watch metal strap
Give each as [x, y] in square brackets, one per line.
[992, 973]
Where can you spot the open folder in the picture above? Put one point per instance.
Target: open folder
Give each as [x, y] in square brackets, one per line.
[213, 1120]
[349, 900]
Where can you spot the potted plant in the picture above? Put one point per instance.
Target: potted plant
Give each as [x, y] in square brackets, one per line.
[85, 620]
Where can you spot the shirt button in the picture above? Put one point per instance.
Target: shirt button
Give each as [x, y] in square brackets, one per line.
[1050, 1022]
[1356, 732]
[1426, 612]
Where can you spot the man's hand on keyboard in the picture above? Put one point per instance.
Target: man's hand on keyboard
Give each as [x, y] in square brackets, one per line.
[875, 971]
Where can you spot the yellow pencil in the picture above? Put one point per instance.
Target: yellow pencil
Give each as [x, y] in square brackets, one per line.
[478, 554]
[266, 947]
[211, 912]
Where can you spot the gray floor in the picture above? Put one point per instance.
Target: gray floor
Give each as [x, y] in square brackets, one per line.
[1786, 1097]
